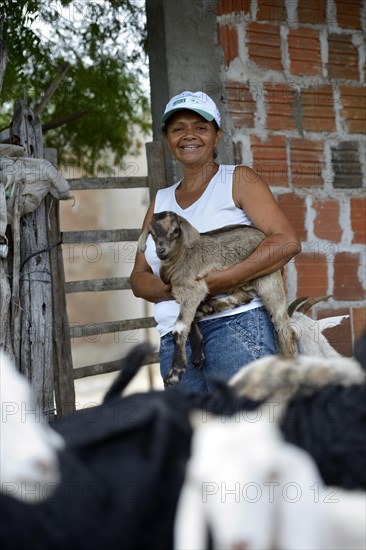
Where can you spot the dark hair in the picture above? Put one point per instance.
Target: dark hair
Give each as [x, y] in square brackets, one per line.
[164, 128]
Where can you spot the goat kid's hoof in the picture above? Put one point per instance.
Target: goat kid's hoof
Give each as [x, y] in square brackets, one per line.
[198, 359]
[172, 378]
[206, 309]
[199, 315]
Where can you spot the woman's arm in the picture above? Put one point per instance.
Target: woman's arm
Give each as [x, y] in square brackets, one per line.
[281, 243]
[144, 283]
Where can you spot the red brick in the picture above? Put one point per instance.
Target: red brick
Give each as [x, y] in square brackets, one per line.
[304, 50]
[294, 208]
[271, 10]
[264, 46]
[347, 285]
[228, 40]
[232, 6]
[326, 223]
[339, 336]
[358, 321]
[358, 220]
[317, 109]
[306, 162]
[270, 160]
[353, 100]
[343, 57]
[241, 104]
[349, 13]
[312, 11]
[280, 106]
[312, 274]
[346, 166]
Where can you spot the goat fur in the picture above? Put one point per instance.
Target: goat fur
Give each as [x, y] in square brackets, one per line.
[310, 339]
[279, 378]
[124, 462]
[29, 464]
[187, 256]
[236, 488]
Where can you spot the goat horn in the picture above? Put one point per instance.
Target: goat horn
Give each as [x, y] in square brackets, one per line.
[304, 308]
[292, 307]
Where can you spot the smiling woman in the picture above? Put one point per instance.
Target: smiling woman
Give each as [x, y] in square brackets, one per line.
[211, 196]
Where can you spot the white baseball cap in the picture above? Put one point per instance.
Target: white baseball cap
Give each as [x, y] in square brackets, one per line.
[199, 102]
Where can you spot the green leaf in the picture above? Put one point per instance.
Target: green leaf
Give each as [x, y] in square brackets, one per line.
[104, 45]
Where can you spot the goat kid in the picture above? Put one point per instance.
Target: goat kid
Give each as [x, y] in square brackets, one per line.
[29, 468]
[187, 256]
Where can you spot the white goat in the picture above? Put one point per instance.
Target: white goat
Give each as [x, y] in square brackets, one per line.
[29, 467]
[310, 339]
[252, 491]
[187, 256]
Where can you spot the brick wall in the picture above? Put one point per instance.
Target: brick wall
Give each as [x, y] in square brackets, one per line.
[294, 82]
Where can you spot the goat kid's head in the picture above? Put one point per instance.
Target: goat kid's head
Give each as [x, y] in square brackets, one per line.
[168, 231]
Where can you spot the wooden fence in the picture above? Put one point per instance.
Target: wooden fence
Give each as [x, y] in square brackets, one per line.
[154, 181]
[34, 321]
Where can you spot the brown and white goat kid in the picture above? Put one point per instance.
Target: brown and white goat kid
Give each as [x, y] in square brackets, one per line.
[187, 256]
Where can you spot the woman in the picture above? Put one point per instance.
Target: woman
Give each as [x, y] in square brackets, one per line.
[211, 196]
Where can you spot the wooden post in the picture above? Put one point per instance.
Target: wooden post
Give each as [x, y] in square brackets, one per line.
[157, 180]
[3, 53]
[37, 352]
[5, 292]
[5, 296]
[63, 368]
[16, 311]
[155, 166]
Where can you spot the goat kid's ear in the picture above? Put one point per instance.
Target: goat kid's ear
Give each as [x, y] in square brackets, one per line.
[141, 244]
[189, 233]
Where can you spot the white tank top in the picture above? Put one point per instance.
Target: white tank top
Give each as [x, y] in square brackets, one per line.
[214, 209]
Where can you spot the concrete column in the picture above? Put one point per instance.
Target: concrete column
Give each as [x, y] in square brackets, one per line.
[184, 55]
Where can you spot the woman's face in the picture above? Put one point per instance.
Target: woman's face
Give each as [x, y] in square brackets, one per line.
[191, 139]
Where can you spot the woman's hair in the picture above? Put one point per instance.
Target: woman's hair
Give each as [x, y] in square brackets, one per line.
[164, 128]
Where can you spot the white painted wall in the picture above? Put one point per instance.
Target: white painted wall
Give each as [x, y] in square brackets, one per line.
[109, 209]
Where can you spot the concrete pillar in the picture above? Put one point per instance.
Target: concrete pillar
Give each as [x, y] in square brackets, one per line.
[184, 55]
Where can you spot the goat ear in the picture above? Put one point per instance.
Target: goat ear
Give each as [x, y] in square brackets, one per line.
[331, 322]
[141, 245]
[190, 234]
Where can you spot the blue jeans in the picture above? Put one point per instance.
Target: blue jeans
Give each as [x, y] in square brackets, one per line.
[229, 343]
